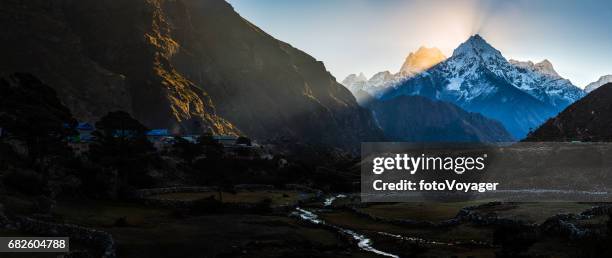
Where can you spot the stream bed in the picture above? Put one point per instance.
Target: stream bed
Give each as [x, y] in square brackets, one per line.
[364, 242]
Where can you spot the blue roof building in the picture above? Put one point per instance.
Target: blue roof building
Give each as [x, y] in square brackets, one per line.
[84, 126]
[158, 133]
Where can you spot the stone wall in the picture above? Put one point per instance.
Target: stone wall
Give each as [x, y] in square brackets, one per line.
[143, 193]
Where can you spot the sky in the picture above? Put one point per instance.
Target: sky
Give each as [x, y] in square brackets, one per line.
[352, 36]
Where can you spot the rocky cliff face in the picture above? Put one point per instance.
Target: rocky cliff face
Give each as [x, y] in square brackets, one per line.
[266, 87]
[185, 65]
[134, 38]
[107, 55]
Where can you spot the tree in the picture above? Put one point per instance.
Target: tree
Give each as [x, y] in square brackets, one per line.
[211, 168]
[186, 150]
[212, 148]
[121, 128]
[244, 140]
[120, 143]
[32, 114]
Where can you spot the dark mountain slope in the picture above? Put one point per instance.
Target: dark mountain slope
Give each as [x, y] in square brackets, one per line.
[189, 66]
[266, 87]
[36, 38]
[420, 119]
[30, 111]
[589, 119]
[105, 55]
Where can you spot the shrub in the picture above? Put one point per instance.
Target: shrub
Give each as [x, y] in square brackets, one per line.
[25, 181]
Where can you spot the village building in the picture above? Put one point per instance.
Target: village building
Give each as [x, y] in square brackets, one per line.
[157, 134]
[192, 138]
[85, 131]
[160, 138]
[226, 140]
[80, 142]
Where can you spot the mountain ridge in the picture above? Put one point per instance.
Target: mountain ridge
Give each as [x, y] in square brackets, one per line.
[479, 79]
[589, 119]
[596, 84]
[421, 119]
[415, 62]
[189, 66]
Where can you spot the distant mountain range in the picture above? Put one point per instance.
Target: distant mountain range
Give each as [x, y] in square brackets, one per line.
[190, 66]
[543, 82]
[601, 81]
[415, 63]
[196, 66]
[420, 119]
[589, 119]
[477, 78]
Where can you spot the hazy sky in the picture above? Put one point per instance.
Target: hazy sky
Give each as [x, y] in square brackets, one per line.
[352, 36]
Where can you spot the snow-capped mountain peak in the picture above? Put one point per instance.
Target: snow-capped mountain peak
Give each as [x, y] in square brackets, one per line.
[602, 80]
[414, 64]
[381, 77]
[478, 78]
[362, 77]
[421, 60]
[355, 82]
[543, 82]
[353, 78]
[477, 46]
[471, 58]
[545, 67]
[539, 80]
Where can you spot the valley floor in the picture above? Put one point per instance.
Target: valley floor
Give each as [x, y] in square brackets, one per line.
[148, 229]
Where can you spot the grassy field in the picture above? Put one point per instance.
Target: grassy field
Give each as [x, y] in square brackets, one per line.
[554, 247]
[106, 213]
[208, 236]
[154, 232]
[147, 231]
[464, 233]
[278, 198]
[458, 233]
[535, 212]
[424, 250]
[17, 204]
[434, 212]
[595, 222]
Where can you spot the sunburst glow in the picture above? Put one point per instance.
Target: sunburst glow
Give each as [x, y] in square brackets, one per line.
[369, 36]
